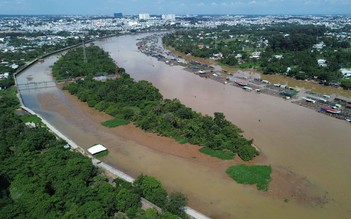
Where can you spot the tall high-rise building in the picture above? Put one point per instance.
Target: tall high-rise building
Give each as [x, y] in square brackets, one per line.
[144, 16]
[168, 17]
[118, 15]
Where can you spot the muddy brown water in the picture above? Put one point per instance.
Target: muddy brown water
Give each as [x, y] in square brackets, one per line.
[310, 145]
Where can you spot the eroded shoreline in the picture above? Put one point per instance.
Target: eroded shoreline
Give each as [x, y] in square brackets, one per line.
[285, 184]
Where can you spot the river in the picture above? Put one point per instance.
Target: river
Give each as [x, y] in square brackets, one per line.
[313, 146]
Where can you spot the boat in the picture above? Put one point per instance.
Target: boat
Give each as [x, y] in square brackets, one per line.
[330, 110]
[309, 99]
[322, 100]
[241, 83]
[247, 88]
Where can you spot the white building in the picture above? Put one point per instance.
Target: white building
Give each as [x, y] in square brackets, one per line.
[346, 72]
[168, 17]
[322, 62]
[144, 16]
[4, 76]
[256, 55]
[319, 46]
[97, 149]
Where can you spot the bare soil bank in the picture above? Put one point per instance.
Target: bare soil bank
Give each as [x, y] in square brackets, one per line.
[285, 184]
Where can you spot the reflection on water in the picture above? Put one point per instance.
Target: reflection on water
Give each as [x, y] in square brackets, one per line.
[313, 145]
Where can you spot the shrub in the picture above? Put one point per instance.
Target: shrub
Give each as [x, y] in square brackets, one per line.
[259, 175]
[115, 122]
[219, 154]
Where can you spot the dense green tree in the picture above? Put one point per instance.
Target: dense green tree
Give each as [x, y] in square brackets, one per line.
[151, 189]
[127, 199]
[176, 202]
[346, 83]
[229, 60]
[151, 213]
[246, 152]
[294, 42]
[73, 64]
[40, 179]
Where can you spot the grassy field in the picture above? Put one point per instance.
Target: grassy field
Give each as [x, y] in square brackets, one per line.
[31, 118]
[115, 122]
[259, 175]
[181, 140]
[219, 154]
[101, 154]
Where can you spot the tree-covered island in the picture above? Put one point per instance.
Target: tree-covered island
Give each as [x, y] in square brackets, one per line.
[141, 103]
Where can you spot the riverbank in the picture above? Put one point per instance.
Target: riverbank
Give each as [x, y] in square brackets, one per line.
[109, 170]
[274, 78]
[311, 146]
[274, 85]
[285, 184]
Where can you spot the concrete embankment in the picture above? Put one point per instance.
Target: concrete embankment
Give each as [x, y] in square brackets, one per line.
[191, 212]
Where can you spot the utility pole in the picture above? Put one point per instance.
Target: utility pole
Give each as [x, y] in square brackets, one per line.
[84, 53]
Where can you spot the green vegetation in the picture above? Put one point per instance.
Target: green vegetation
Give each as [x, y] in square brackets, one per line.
[151, 189]
[219, 154]
[115, 122]
[41, 179]
[140, 102]
[72, 64]
[181, 140]
[259, 175]
[287, 49]
[8, 99]
[32, 118]
[346, 83]
[101, 154]
[26, 51]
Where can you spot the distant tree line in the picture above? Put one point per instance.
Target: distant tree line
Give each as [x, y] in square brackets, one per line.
[41, 179]
[140, 102]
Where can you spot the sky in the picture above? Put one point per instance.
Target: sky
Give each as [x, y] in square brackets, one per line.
[132, 7]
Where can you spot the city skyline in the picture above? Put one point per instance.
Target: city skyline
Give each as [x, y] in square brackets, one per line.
[133, 7]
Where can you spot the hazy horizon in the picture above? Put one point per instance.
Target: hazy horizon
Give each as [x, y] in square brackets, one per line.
[179, 7]
[112, 15]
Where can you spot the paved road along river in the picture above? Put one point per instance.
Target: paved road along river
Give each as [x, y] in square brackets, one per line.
[315, 147]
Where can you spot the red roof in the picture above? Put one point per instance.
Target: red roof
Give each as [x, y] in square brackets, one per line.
[241, 83]
[330, 110]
